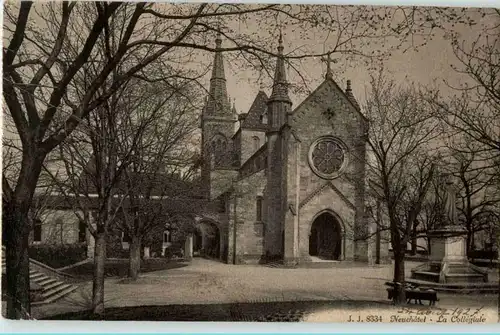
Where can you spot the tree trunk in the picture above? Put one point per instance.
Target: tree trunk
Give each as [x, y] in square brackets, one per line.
[399, 277]
[18, 230]
[99, 268]
[17, 267]
[414, 240]
[135, 257]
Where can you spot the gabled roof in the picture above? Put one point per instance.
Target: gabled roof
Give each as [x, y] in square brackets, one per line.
[259, 107]
[157, 185]
[328, 80]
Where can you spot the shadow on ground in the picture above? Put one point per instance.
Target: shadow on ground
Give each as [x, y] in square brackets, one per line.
[119, 268]
[283, 311]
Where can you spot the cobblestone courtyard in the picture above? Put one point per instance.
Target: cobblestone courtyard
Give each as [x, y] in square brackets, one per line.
[209, 282]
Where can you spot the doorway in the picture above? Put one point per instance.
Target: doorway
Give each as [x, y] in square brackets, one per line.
[325, 239]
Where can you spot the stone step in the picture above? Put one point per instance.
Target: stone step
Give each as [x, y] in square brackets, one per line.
[428, 273]
[54, 291]
[47, 281]
[52, 285]
[426, 276]
[61, 294]
[468, 274]
[37, 275]
[464, 278]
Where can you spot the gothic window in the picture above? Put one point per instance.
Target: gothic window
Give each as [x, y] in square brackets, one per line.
[222, 205]
[125, 237]
[167, 236]
[60, 230]
[82, 229]
[236, 159]
[327, 157]
[219, 148]
[37, 231]
[259, 209]
[256, 143]
[329, 113]
[263, 117]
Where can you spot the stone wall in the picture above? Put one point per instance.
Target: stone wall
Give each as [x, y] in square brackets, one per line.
[292, 146]
[243, 223]
[275, 195]
[247, 143]
[221, 181]
[328, 112]
[249, 231]
[59, 227]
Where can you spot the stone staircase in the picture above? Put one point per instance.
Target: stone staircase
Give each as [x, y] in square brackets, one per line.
[48, 284]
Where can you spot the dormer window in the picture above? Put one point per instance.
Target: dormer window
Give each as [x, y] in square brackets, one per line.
[263, 117]
[37, 231]
[256, 143]
[258, 214]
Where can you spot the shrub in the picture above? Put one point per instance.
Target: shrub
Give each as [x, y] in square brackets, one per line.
[173, 251]
[58, 255]
[483, 254]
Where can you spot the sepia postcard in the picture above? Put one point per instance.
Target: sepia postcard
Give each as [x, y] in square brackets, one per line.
[250, 162]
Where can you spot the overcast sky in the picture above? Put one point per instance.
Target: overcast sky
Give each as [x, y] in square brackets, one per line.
[429, 65]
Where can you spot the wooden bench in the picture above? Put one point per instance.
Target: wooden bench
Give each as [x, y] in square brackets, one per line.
[413, 292]
[416, 294]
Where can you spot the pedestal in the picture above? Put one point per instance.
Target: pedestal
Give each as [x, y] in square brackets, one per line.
[146, 253]
[448, 261]
[188, 248]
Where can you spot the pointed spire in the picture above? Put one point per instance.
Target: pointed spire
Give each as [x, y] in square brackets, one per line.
[234, 106]
[350, 95]
[218, 101]
[218, 69]
[328, 68]
[218, 40]
[262, 86]
[280, 44]
[328, 60]
[279, 103]
[280, 84]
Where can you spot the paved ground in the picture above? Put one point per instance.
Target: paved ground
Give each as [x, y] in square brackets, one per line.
[206, 281]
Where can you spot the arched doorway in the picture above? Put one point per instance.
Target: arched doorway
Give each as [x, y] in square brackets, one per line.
[207, 240]
[197, 242]
[325, 239]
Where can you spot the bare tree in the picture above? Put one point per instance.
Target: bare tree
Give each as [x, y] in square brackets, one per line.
[401, 129]
[432, 211]
[49, 46]
[476, 195]
[102, 150]
[475, 110]
[156, 181]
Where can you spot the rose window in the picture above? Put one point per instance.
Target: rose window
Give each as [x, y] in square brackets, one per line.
[327, 157]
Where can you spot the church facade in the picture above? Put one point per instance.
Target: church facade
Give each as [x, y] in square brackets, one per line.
[290, 180]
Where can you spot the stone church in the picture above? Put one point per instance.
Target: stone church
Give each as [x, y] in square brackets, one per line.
[288, 185]
[290, 180]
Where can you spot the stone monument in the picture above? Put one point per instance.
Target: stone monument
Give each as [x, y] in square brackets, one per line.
[188, 248]
[448, 262]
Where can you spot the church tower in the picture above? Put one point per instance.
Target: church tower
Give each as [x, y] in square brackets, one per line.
[279, 106]
[217, 123]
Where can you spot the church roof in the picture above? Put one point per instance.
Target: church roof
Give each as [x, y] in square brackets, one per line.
[144, 184]
[259, 107]
[348, 95]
